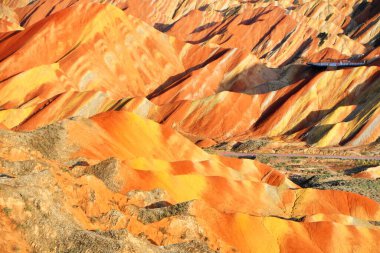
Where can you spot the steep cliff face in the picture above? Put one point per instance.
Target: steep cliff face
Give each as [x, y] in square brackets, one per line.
[97, 96]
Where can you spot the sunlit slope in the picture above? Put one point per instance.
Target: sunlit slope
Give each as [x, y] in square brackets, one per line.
[131, 85]
[239, 204]
[112, 57]
[122, 130]
[109, 57]
[336, 107]
[96, 55]
[279, 32]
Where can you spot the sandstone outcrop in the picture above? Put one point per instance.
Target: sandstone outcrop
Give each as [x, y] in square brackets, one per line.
[104, 106]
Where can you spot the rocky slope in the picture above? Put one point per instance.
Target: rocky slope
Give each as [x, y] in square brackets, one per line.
[256, 48]
[120, 183]
[97, 96]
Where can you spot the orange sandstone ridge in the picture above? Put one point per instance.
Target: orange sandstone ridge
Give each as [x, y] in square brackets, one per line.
[111, 57]
[107, 166]
[101, 103]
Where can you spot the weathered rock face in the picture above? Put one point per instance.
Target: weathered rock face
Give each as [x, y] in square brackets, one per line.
[95, 97]
[70, 190]
[258, 49]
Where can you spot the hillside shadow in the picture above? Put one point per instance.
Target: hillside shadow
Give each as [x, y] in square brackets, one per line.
[174, 81]
[360, 96]
[309, 121]
[163, 27]
[204, 27]
[219, 28]
[356, 170]
[302, 180]
[296, 72]
[159, 204]
[362, 12]
[255, 19]
[204, 7]
[277, 104]
[301, 72]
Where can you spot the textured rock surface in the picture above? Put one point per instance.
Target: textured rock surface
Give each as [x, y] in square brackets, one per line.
[101, 103]
[86, 201]
[252, 48]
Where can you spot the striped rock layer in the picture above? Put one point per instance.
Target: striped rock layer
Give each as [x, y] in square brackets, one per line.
[97, 96]
[205, 49]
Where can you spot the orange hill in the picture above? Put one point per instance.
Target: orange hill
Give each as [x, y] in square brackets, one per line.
[97, 96]
[232, 201]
